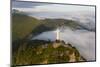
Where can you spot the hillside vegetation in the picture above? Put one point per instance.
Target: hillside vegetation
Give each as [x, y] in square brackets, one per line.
[46, 52]
[22, 25]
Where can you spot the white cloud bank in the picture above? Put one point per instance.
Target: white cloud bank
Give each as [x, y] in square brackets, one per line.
[83, 40]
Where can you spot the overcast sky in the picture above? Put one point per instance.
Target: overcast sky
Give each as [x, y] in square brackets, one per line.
[31, 6]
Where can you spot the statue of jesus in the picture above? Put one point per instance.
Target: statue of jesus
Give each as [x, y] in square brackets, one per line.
[57, 34]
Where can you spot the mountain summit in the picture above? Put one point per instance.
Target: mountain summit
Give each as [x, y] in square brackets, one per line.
[46, 52]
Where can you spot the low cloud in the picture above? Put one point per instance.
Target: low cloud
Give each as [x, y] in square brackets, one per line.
[83, 40]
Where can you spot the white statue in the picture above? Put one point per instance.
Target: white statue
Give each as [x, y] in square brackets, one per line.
[57, 34]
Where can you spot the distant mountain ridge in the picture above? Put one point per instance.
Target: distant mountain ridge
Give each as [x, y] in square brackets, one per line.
[23, 25]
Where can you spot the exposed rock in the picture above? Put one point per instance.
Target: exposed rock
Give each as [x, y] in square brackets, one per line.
[72, 57]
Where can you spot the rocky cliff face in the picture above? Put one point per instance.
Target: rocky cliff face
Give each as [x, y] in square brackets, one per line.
[46, 52]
